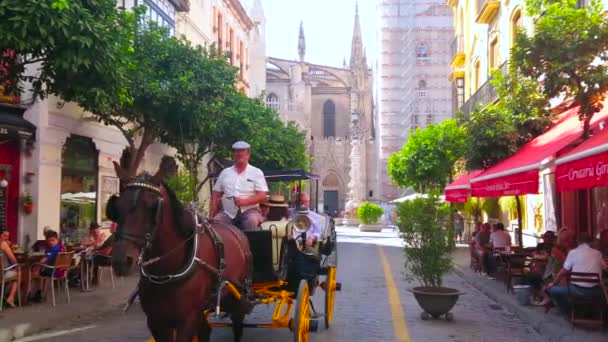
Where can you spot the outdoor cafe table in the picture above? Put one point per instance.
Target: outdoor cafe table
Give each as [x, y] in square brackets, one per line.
[26, 260]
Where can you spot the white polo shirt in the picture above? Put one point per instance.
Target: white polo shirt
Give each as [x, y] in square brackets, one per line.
[500, 239]
[584, 259]
[245, 184]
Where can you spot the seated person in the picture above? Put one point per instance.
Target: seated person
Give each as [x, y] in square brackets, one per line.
[41, 245]
[314, 233]
[482, 245]
[581, 259]
[238, 191]
[275, 209]
[95, 238]
[55, 247]
[100, 250]
[498, 239]
[8, 259]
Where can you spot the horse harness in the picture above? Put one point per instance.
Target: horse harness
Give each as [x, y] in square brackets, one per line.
[145, 243]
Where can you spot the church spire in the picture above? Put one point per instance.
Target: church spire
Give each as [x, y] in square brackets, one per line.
[301, 43]
[356, 53]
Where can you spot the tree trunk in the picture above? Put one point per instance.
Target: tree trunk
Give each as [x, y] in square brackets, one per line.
[520, 236]
[138, 154]
[587, 126]
[451, 228]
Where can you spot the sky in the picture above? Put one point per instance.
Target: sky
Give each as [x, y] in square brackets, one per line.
[328, 27]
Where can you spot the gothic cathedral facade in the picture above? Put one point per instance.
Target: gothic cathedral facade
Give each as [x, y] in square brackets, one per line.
[335, 106]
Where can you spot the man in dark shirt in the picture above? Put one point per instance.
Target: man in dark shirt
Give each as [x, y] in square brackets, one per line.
[482, 243]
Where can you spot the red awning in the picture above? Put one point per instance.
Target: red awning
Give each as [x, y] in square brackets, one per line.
[584, 167]
[519, 174]
[458, 190]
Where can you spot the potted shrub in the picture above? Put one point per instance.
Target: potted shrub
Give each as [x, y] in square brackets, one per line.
[26, 201]
[422, 223]
[369, 214]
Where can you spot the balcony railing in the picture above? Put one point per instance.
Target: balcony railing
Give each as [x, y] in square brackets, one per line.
[484, 96]
[457, 49]
[486, 10]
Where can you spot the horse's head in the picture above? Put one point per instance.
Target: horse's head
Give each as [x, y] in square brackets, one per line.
[137, 212]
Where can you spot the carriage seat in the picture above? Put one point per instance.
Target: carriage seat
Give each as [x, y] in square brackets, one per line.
[279, 230]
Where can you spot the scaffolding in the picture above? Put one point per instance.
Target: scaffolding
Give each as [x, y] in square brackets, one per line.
[407, 99]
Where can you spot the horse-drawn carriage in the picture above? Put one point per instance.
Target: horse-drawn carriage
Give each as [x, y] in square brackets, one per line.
[195, 272]
[288, 273]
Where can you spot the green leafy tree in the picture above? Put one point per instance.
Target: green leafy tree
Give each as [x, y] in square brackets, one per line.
[177, 91]
[521, 114]
[67, 48]
[427, 159]
[569, 51]
[499, 130]
[275, 145]
[422, 223]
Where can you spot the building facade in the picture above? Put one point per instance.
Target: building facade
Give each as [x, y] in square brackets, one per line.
[485, 32]
[63, 161]
[412, 77]
[335, 108]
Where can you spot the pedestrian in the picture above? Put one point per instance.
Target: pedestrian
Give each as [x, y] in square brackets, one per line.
[10, 276]
[239, 190]
[458, 226]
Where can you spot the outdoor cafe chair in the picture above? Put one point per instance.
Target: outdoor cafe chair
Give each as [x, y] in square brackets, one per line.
[4, 280]
[62, 263]
[582, 303]
[105, 266]
[475, 263]
[515, 268]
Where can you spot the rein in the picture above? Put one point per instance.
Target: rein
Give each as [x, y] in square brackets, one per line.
[145, 244]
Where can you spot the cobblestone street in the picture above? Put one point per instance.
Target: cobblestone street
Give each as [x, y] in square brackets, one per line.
[362, 310]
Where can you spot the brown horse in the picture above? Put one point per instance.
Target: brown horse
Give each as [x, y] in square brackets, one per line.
[156, 235]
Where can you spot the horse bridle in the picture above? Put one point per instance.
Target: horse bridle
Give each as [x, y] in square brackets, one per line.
[145, 242]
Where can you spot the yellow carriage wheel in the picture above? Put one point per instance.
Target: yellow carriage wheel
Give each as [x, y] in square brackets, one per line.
[301, 319]
[330, 295]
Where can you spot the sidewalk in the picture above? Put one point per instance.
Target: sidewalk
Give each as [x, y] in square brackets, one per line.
[554, 326]
[102, 302]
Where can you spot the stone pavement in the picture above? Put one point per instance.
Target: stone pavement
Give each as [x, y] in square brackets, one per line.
[553, 326]
[362, 310]
[84, 307]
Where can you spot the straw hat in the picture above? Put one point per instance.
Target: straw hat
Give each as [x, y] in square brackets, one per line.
[276, 201]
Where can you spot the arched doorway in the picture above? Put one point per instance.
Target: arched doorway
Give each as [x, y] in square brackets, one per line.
[79, 169]
[331, 184]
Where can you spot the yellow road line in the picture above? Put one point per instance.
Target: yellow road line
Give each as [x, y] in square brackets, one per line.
[399, 325]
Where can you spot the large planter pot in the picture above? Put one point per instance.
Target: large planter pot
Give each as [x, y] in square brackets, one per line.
[436, 301]
[371, 227]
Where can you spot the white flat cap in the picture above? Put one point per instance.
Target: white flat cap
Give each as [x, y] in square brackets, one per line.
[240, 145]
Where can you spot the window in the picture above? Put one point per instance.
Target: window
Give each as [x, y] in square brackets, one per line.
[161, 12]
[79, 170]
[241, 60]
[429, 119]
[329, 119]
[516, 24]
[422, 91]
[422, 54]
[493, 59]
[231, 46]
[272, 102]
[476, 76]
[220, 32]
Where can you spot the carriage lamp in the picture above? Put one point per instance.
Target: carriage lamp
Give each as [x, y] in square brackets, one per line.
[3, 183]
